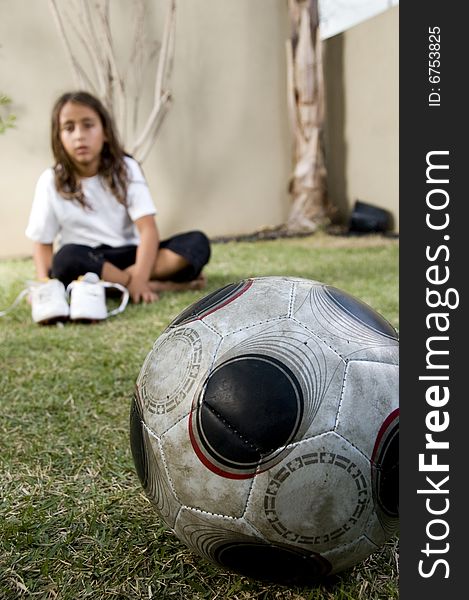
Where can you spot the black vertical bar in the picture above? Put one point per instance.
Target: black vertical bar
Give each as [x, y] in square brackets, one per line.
[434, 166]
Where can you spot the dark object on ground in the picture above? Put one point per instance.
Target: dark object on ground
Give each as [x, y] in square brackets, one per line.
[273, 233]
[366, 218]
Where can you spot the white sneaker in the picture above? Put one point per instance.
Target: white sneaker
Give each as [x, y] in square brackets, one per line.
[88, 298]
[48, 302]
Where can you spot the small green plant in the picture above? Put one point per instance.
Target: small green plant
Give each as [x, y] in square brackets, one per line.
[7, 120]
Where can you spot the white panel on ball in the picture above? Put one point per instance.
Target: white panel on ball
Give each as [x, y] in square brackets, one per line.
[371, 393]
[200, 488]
[263, 302]
[298, 501]
[172, 371]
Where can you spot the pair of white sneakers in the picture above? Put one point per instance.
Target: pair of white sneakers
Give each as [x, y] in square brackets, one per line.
[83, 300]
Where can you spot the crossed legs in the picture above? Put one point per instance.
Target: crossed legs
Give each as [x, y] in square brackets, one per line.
[178, 264]
[168, 264]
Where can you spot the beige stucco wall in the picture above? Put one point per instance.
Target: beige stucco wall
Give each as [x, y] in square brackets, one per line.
[222, 159]
[362, 135]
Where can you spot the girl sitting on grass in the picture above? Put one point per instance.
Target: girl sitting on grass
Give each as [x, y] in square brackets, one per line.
[95, 205]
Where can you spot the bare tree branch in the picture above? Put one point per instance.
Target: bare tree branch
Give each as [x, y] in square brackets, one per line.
[160, 97]
[91, 45]
[86, 33]
[80, 74]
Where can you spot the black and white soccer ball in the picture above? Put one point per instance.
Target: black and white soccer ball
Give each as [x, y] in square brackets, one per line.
[265, 425]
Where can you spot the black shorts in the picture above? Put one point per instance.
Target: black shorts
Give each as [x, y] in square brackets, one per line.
[73, 260]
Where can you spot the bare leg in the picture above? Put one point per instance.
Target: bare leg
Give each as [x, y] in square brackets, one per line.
[176, 286]
[167, 264]
[114, 274]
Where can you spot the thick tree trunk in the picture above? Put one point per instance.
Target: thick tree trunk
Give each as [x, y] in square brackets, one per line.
[310, 207]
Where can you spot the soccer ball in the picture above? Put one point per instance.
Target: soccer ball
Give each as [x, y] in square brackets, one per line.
[265, 425]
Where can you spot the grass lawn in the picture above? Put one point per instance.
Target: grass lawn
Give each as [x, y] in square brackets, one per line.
[74, 520]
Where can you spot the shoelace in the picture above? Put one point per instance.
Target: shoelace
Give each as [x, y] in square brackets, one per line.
[105, 285]
[17, 300]
[27, 290]
[125, 297]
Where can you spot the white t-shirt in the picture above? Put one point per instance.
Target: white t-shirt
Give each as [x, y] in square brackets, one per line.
[106, 221]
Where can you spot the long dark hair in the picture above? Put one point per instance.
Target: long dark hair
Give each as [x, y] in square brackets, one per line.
[112, 167]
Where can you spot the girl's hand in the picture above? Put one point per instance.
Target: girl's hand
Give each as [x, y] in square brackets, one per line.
[140, 291]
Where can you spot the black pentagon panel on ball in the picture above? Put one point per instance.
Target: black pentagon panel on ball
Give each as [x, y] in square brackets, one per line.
[361, 312]
[211, 302]
[252, 406]
[137, 441]
[218, 434]
[389, 480]
[272, 563]
[385, 472]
